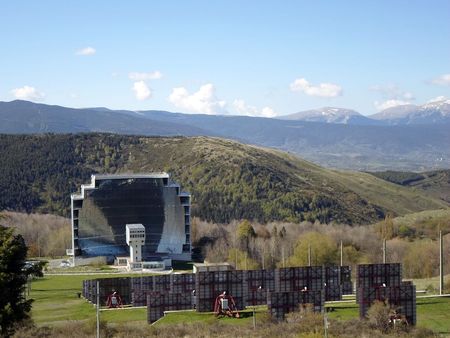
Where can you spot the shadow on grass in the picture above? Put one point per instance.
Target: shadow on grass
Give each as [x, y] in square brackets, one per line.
[429, 303]
[245, 314]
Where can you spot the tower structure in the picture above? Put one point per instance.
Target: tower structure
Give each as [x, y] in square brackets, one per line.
[135, 236]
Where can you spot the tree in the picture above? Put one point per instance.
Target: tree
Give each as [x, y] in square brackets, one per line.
[245, 230]
[421, 259]
[386, 228]
[14, 307]
[351, 255]
[245, 233]
[241, 260]
[323, 249]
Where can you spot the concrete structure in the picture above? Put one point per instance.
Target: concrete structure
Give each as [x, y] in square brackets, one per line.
[101, 210]
[135, 237]
[202, 267]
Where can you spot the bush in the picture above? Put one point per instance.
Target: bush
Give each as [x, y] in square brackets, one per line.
[378, 316]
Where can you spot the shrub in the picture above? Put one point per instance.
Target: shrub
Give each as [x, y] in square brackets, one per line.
[378, 316]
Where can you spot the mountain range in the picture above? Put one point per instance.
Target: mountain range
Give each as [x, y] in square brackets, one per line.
[344, 139]
[430, 113]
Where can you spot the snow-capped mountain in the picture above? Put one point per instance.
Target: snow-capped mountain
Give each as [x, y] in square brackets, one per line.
[429, 113]
[330, 115]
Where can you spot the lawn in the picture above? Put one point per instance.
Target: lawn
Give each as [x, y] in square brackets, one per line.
[432, 313]
[56, 300]
[432, 284]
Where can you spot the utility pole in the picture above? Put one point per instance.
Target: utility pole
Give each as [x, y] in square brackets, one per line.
[342, 255]
[98, 309]
[441, 264]
[235, 249]
[39, 245]
[263, 254]
[309, 255]
[384, 250]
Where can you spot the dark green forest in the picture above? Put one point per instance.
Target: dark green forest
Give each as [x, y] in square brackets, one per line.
[399, 177]
[227, 180]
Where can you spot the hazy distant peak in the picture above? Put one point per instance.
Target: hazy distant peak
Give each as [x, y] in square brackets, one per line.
[443, 105]
[431, 112]
[397, 111]
[328, 115]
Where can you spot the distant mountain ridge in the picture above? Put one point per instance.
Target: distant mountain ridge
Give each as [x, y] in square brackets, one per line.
[437, 112]
[350, 146]
[24, 117]
[332, 115]
[430, 113]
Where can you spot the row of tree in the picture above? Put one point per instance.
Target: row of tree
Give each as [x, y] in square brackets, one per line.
[249, 246]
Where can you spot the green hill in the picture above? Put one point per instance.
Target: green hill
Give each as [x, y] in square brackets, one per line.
[228, 180]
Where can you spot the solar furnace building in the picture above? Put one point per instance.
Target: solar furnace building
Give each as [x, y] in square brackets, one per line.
[103, 208]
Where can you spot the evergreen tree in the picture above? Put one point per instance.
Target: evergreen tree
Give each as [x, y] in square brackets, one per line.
[245, 233]
[14, 307]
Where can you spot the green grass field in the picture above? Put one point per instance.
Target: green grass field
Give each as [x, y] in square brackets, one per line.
[432, 313]
[56, 302]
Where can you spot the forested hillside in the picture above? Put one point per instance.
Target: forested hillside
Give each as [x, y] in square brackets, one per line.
[228, 180]
[434, 183]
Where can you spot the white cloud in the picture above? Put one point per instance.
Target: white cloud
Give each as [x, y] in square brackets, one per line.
[268, 112]
[141, 90]
[202, 101]
[389, 104]
[86, 51]
[393, 92]
[243, 109]
[322, 90]
[28, 93]
[156, 75]
[443, 80]
[437, 99]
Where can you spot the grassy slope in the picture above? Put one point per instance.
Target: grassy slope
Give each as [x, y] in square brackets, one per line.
[217, 155]
[435, 183]
[56, 302]
[389, 196]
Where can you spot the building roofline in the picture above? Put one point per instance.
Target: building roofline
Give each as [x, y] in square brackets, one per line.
[101, 177]
[125, 176]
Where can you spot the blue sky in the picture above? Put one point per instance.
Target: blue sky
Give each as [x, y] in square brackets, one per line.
[262, 58]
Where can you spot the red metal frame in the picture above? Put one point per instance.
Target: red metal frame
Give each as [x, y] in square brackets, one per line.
[114, 300]
[231, 311]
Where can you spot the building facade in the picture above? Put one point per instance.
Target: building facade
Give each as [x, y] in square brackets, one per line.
[102, 209]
